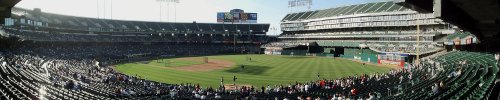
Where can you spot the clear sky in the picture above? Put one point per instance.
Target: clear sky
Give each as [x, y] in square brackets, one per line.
[269, 11]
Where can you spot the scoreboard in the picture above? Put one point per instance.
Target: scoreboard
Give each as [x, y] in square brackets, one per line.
[236, 16]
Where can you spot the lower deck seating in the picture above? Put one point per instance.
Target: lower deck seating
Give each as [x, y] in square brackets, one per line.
[458, 75]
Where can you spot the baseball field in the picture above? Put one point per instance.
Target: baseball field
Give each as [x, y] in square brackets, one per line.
[256, 70]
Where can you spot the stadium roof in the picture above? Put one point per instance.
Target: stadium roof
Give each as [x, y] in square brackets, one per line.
[84, 23]
[346, 10]
[480, 17]
[5, 6]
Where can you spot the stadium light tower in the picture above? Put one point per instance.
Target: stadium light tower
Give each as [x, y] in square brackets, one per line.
[97, 1]
[104, 4]
[299, 4]
[111, 4]
[104, 9]
[273, 29]
[168, 2]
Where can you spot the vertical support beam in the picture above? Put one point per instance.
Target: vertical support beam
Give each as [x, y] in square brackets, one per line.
[418, 42]
[234, 43]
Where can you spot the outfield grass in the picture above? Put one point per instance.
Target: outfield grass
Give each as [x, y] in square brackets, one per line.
[262, 70]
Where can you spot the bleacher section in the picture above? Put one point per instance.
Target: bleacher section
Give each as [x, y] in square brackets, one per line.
[339, 43]
[135, 37]
[286, 44]
[408, 48]
[458, 36]
[476, 78]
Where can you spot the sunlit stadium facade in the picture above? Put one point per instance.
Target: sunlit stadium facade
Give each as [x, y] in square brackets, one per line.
[363, 31]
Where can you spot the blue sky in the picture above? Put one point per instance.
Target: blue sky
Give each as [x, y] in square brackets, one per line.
[269, 11]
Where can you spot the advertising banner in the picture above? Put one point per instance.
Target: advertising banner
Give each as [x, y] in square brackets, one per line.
[220, 17]
[228, 17]
[252, 16]
[392, 59]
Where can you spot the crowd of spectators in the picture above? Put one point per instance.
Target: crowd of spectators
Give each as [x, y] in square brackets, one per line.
[85, 68]
[82, 67]
[39, 35]
[75, 68]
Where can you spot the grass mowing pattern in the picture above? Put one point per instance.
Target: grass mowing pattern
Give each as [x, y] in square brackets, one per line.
[262, 70]
[173, 62]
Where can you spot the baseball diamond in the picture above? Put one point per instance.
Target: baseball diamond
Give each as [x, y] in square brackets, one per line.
[263, 70]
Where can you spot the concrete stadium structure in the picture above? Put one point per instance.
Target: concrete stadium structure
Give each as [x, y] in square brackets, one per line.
[383, 27]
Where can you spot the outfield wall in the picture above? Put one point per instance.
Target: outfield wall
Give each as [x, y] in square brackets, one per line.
[294, 52]
[366, 55]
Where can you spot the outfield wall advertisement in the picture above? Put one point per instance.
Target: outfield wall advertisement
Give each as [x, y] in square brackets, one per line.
[392, 59]
[273, 51]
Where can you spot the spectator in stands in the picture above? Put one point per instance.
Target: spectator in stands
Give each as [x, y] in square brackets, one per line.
[339, 96]
[306, 88]
[268, 89]
[333, 97]
[69, 85]
[452, 74]
[371, 96]
[124, 92]
[435, 88]
[197, 96]
[132, 93]
[217, 96]
[203, 97]
[401, 78]
[459, 72]
[118, 91]
[442, 86]
[497, 57]
[354, 92]
[299, 97]
[173, 93]
[76, 86]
